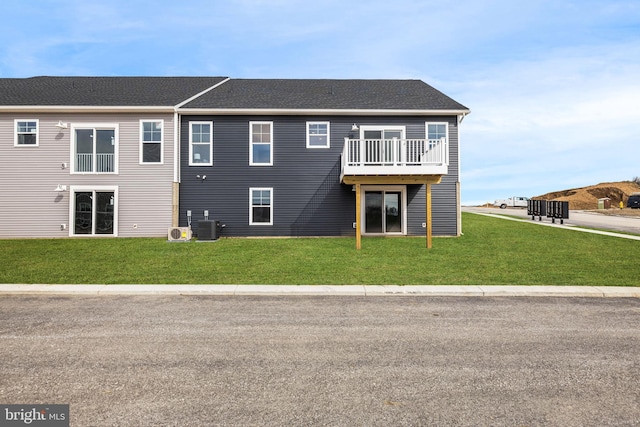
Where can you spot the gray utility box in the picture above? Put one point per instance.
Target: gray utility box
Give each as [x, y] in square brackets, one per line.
[208, 230]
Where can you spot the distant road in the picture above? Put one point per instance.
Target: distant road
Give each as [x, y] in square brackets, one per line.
[576, 218]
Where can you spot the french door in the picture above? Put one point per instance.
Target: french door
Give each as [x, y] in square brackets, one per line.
[384, 211]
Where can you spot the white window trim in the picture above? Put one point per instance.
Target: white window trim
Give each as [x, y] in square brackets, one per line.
[15, 133]
[95, 126]
[142, 142]
[328, 134]
[251, 190]
[210, 162]
[403, 191]
[426, 128]
[251, 162]
[446, 130]
[364, 128]
[72, 200]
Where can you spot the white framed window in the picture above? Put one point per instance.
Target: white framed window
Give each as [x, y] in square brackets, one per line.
[382, 143]
[201, 144]
[382, 132]
[318, 135]
[260, 206]
[94, 148]
[93, 211]
[151, 141]
[438, 137]
[26, 133]
[437, 130]
[261, 143]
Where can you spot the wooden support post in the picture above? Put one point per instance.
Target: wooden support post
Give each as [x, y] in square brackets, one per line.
[358, 216]
[428, 214]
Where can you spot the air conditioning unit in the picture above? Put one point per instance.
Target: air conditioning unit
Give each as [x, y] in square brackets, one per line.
[179, 234]
[208, 230]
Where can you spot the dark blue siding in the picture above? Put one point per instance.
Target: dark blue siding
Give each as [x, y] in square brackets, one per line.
[308, 199]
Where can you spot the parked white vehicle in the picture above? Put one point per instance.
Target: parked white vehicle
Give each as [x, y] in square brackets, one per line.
[512, 202]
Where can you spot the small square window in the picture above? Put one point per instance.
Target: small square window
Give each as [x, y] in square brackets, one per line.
[436, 130]
[26, 133]
[318, 135]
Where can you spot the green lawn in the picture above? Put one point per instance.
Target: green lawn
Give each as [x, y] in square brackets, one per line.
[491, 252]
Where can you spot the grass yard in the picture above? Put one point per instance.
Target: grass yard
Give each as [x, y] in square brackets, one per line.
[491, 252]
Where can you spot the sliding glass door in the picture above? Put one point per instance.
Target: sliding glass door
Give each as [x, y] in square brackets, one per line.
[383, 211]
[94, 212]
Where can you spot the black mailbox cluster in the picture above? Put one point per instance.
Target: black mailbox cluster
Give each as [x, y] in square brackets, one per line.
[556, 209]
[537, 208]
[550, 208]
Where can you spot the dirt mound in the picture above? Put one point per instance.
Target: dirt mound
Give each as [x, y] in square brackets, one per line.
[586, 198]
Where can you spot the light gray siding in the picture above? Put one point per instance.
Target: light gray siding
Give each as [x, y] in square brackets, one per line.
[29, 175]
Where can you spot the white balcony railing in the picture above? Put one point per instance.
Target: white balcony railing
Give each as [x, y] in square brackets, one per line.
[395, 157]
[105, 162]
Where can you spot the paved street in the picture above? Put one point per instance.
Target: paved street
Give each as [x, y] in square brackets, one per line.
[296, 360]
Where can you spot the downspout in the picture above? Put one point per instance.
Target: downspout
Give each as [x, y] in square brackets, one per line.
[176, 147]
[175, 186]
[458, 185]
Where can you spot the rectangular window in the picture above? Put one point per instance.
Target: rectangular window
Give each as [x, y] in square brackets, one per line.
[260, 141]
[151, 141]
[94, 211]
[26, 133]
[382, 144]
[201, 144]
[260, 206]
[437, 148]
[436, 131]
[318, 134]
[95, 149]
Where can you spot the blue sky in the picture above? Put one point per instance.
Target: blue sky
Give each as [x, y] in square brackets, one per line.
[553, 86]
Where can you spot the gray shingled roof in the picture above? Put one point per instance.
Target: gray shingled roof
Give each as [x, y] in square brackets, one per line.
[325, 94]
[287, 94]
[102, 91]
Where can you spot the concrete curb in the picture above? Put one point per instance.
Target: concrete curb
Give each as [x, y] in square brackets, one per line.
[328, 290]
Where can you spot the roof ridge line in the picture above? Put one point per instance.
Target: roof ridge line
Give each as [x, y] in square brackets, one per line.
[198, 95]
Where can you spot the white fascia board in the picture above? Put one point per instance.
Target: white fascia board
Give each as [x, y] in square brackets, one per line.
[308, 112]
[84, 109]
